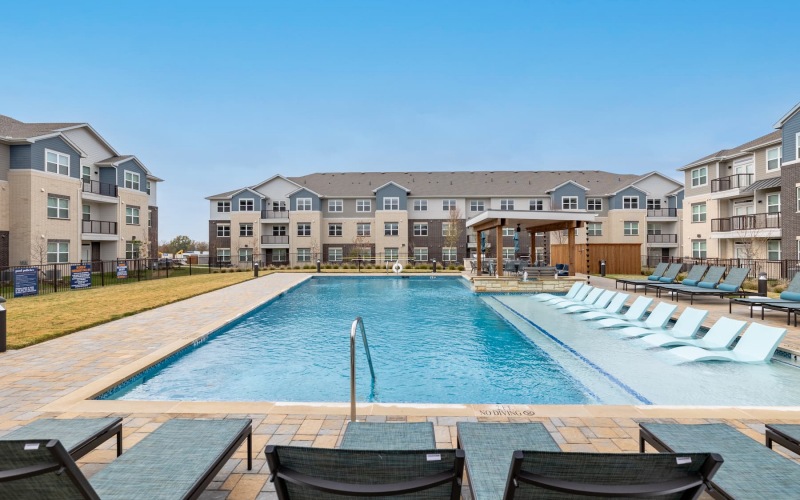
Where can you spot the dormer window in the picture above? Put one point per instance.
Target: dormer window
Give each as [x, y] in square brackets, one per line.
[569, 203]
[391, 203]
[57, 163]
[246, 205]
[630, 202]
[132, 180]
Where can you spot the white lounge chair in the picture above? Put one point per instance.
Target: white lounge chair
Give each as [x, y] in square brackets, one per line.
[657, 319]
[600, 304]
[720, 336]
[582, 293]
[544, 297]
[612, 309]
[757, 345]
[590, 299]
[634, 312]
[685, 327]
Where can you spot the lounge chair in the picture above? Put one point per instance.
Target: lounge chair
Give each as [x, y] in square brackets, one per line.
[750, 470]
[787, 307]
[599, 305]
[177, 460]
[590, 299]
[685, 327]
[757, 345]
[78, 436]
[658, 317]
[786, 435]
[634, 312]
[668, 277]
[789, 296]
[693, 277]
[579, 297]
[544, 297]
[388, 436]
[301, 472]
[657, 273]
[709, 282]
[731, 285]
[720, 336]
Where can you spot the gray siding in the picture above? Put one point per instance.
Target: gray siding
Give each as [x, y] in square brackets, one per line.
[108, 175]
[392, 191]
[32, 156]
[20, 157]
[132, 166]
[5, 161]
[790, 130]
[348, 208]
[676, 201]
[304, 193]
[616, 201]
[569, 190]
[245, 195]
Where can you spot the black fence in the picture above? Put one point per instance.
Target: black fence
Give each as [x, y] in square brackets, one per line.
[776, 269]
[354, 261]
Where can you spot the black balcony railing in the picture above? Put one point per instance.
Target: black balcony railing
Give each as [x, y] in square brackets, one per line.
[731, 182]
[98, 227]
[747, 222]
[274, 240]
[274, 214]
[101, 188]
[662, 212]
[662, 238]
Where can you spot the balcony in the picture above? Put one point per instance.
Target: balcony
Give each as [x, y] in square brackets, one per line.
[662, 238]
[98, 227]
[662, 212]
[735, 181]
[275, 214]
[752, 222]
[274, 240]
[100, 188]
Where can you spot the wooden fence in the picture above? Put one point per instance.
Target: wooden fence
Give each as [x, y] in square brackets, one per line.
[621, 258]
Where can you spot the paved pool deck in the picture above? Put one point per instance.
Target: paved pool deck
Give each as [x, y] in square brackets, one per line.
[58, 378]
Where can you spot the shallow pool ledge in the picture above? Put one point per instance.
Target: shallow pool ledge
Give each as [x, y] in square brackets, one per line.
[514, 284]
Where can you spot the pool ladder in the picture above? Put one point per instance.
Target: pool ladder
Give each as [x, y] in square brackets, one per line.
[358, 322]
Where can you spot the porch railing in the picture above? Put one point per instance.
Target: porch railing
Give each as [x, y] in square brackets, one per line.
[98, 227]
[101, 188]
[731, 182]
[747, 222]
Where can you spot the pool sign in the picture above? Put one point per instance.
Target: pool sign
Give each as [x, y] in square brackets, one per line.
[122, 271]
[80, 276]
[26, 281]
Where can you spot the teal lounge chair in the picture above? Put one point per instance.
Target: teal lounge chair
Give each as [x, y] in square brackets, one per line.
[685, 327]
[657, 273]
[78, 436]
[731, 285]
[789, 296]
[710, 281]
[634, 312]
[599, 305]
[720, 336]
[543, 297]
[757, 345]
[388, 436]
[659, 317]
[668, 277]
[693, 277]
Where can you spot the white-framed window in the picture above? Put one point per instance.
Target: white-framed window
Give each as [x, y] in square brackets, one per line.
[594, 204]
[450, 254]
[630, 228]
[57, 163]
[506, 204]
[149, 218]
[245, 255]
[363, 205]
[279, 254]
[57, 207]
[57, 252]
[653, 204]
[654, 228]
[131, 250]
[630, 202]
[699, 212]
[390, 254]
[363, 229]
[391, 229]
[335, 254]
[477, 206]
[773, 203]
[132, 216]
[304, 204]
[594, 228]
[508, 231]
[335, 206]
[87, 212]
[303, 255]
[303, 229]
[508, 253]
[391, 203]
[421, 254]
[798, 249]
[420, 205]
[223, 206]
[448, 205]
[335, 229]
[147, 185]
[223, 230]
[699, 176]
[223, 255]
[278, 206]
[569, 203]
[86, 173]
[278, 230]
[536, 205]
[773, 249]
[446, 228]
[420, 229]
[131, 180]
[246, 229]
[774, 158]
[699, 249]
[247, 204]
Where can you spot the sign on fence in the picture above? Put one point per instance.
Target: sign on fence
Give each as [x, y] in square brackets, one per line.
[122, 271]
[80, 276]
[26, 281]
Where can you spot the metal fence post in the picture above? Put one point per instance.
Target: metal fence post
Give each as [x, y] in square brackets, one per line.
[2, 325]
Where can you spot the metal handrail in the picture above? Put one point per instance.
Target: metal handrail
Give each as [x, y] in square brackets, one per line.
[353, 328]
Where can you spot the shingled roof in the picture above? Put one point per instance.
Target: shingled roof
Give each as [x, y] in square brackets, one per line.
[15, 129]
[742, 149]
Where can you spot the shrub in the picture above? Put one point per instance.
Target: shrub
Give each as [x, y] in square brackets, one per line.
[460, 268]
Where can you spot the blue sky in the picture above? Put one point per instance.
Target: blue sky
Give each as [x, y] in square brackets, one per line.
[214, 96]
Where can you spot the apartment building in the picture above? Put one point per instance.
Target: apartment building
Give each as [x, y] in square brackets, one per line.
[422, 215]
[66, 195]
[789, 129]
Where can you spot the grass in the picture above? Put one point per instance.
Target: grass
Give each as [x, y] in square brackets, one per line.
[35, 319]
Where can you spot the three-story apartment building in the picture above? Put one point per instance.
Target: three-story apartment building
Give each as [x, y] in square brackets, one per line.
[66, 195]
[789, 129]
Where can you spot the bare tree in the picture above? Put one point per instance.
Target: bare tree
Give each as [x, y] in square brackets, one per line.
[201, 246]
[453, 233]
[39, 252]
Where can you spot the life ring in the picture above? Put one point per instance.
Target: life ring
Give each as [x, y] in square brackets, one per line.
[397, 268]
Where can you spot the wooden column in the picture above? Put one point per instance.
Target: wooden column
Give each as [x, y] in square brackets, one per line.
[480, 257]
[499, 237]
[532, 253]
[572, 249]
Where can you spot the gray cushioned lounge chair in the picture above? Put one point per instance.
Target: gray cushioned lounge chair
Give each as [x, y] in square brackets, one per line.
[657, 273]
[789, 296]
[786, 435]
[388, 436]
[78, 436]
[669, 276]
[730, 286]
[693, 277]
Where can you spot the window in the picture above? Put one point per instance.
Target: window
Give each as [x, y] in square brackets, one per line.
[773, 249]
[630, 202]
[223, 206]
[699, 212]
[797, 195]
[420, 205]
[594, 204]
[278, 206]
[508, 231]
[654, 228]
[448, 205]
[304, 204]
[699, 249]
[57, 207]
[223, 255]
[420, 229]
[131, 250]
[773, 203]
[390, 254]
[303, 255]
[569, 203]
[87, 212]
[335, 229]
[278, 230]
[223, 230]
[279, 254]
[57, 163]
[57, 252]
[774, 158]
[699, 176]
[147, 184]
[335, 206]
[363, 205]
[303, 229]
[506, 204]
[421, 254]
[363, 229]
[391, 203]
[335, 254]
[536, 205]
[477, 206]
[446, 228]
[246, 229]
[132, 216]
[86, 174]
[449, 254]
[132, 180]
[508, 253]
[653, 204]
[594, 228]
[391, 229]
[630, 228]
[149, 218]
[246, 205]
[245, 255]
